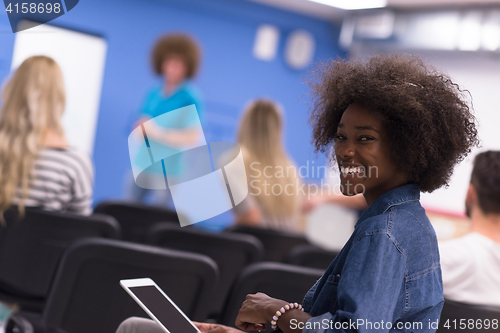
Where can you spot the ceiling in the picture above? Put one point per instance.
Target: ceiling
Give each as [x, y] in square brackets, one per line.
[331, 13]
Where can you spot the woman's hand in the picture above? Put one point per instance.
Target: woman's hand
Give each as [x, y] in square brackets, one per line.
[215, 328]
[155, 132]
[257, 311]
[176, 138]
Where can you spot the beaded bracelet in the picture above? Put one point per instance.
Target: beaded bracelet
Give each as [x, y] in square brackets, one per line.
[274, 322]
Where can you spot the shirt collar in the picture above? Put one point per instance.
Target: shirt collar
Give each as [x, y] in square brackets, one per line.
[396, 196]
[181, 86]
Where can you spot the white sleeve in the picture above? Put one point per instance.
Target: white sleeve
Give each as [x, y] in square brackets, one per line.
[455, 267]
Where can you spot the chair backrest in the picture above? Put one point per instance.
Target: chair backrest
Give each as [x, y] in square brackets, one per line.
[277, 244]
[473, 318]
[310, 256]
[31, 247]
[86, 295]
[231, 252]
[17, 323]
[136, 218]
[278, 280]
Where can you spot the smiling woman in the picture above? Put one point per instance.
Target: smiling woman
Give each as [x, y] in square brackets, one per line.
[398, 127]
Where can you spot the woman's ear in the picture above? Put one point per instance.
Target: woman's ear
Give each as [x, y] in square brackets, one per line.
[470, 199]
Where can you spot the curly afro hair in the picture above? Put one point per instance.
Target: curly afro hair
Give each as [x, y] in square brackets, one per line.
[427, 117]
[179, 45]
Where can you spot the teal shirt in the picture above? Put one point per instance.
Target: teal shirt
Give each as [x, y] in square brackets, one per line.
[156, 104]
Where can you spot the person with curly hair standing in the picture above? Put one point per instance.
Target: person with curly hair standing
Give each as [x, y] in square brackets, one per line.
[397, 127]
[175, 57]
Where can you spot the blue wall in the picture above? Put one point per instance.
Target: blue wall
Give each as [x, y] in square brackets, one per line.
[230, 76]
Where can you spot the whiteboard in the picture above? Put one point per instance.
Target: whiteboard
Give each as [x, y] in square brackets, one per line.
[81, 57]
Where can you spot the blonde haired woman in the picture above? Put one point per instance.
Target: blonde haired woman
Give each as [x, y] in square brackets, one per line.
[273, 200]
[37, 166]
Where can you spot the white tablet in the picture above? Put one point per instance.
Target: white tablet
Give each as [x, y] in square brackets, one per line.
[158, 305]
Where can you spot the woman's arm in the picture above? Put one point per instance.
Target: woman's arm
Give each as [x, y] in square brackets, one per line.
[251, 217]
[258, 311]
[247, 212]
[173, 137]
[369, 286]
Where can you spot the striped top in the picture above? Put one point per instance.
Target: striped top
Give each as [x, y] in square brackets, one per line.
[62, 181]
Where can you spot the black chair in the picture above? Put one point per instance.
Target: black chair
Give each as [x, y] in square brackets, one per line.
[31, 247]
[86, 295]
[473, 318]
[18, 324]
[277, 244]
[136, 218]
[278, 280]
[310, 256]
[231, 252]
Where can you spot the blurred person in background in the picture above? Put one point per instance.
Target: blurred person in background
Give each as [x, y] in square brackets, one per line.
[471, 263]
[356, 203]
[274, 198]
[176, 58]
[38, 168]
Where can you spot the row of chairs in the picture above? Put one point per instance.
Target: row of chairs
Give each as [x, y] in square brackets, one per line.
[284, 247]
[30, 251]
[137, 220]
[232, 250]
[86, 296]
[31, 248]
[165, 235]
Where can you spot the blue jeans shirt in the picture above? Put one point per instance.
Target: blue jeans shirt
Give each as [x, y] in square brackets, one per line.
[387, 277]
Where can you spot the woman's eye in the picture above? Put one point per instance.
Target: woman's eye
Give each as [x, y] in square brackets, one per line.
[338, 137]
[365, 138]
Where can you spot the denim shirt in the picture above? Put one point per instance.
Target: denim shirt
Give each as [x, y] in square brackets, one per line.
[387, 278]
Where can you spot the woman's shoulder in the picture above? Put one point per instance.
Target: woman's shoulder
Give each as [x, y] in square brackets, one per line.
[407, 232]
[68, 156]
[189, 88]
[398, 222]
[409, 217]
[66, 151]
[412, 231]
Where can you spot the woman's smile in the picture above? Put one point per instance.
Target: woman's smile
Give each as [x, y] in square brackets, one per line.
[352, 171]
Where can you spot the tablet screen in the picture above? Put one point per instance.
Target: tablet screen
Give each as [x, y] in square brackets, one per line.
[163, 310]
